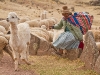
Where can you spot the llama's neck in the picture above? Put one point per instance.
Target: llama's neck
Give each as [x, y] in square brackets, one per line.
[14, 39]
[14, 28]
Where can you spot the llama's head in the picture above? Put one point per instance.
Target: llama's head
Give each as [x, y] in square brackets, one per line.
[12, 18]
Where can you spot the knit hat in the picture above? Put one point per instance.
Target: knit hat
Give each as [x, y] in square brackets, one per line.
[65, 10]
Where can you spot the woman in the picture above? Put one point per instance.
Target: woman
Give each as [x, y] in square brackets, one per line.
[71, 37]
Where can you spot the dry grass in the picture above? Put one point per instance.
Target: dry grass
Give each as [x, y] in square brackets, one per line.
[51, 65]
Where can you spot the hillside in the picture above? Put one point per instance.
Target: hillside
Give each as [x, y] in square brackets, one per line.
[33, 8]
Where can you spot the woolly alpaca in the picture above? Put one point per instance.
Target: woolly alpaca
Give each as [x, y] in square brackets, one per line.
[19, 39]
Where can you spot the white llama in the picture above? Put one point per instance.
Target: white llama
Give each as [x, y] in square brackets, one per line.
[19, 39]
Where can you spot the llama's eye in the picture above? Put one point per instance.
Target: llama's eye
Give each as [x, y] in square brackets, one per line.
[12, 17]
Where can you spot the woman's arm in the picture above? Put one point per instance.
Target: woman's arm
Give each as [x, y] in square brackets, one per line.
[59, 25]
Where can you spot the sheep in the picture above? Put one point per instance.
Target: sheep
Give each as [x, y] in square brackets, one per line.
[19, 39]
[33, 23]
[96, 34]
[57, 33]
[51, 21]
[24, 19]
[45, 22]
[3, 43]
[4, 46]
[55, 20]
[40, 32]
[5, 24]
[51, 35]
[95, 27]
[98, 46]
[44, 27]
[3, 30]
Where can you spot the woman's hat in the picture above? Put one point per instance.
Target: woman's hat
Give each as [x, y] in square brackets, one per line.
[65, 10]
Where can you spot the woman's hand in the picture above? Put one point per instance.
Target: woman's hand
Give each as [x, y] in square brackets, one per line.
[51, 27]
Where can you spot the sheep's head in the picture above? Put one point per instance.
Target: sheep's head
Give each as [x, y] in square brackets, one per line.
[12, 17]
[44, 27]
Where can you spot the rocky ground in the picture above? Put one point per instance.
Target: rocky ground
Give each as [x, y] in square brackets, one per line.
[7, 67]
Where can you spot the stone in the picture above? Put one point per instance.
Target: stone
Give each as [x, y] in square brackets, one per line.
[90, 52]
[72, 54]
[39, 46]
[97, 65]
[34, 45]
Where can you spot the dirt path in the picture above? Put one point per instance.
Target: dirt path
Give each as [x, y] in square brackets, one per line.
[7, 67]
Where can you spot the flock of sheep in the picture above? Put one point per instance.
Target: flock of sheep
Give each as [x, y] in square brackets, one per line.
[17, 43]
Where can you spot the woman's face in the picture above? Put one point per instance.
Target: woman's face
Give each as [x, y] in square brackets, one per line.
[65, 15]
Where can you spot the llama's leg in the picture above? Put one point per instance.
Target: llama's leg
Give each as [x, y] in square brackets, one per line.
[16, 58]
[24, 57]
[26, 61]
[27, 55]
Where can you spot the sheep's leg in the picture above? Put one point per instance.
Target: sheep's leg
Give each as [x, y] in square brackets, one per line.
[64, 53]
[1, 54]
[8, 50]
[59, 52]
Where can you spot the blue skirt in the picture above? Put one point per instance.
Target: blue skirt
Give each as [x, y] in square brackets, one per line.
[67, 41]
